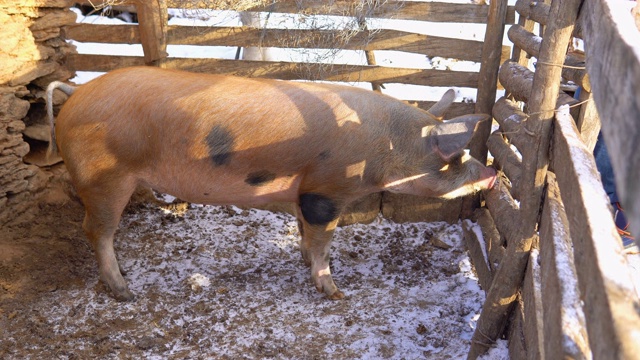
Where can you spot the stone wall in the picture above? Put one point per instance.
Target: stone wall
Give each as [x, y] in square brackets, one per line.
[32, 55]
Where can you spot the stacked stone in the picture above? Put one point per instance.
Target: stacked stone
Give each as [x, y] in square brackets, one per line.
[32, 55]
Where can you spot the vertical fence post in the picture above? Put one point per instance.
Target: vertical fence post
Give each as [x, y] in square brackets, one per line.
[542, 103]
[152, 19]
[488, 77]
[487, 86]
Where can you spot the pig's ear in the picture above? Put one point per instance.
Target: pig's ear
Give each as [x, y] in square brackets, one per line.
[438, 109]
[451, 137]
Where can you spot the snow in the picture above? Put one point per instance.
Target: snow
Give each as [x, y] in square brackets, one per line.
[230, 283]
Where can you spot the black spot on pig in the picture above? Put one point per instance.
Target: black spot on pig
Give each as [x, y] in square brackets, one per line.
[220, 143]
[260, 178]
[324, 155]
[317, 209]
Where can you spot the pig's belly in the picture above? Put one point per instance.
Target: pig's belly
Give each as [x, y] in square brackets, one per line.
[223, 188]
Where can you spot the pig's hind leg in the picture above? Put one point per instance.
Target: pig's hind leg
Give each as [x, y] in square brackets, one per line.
[317, 222]
[104, 204]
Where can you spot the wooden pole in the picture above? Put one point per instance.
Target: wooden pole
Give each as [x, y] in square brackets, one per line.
[488, 77]
[371, 58]
[487, 87]
[152, 19]
[544, 96]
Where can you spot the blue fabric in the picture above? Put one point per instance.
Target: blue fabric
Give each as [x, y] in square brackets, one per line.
[603, 163]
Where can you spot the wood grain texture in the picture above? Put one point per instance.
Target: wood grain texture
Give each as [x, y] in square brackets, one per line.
[512, 121]
[423, 11]
[152, 18]
[613, 62]
[507, 161]
[610, 300]
[542, 101]
[492, 237]
[287, 70]
[504, 212]
[564, 323]
[533, 329]
[488, 77]
[574, 68]
[538, 11]
[476, 254]
[311, 39]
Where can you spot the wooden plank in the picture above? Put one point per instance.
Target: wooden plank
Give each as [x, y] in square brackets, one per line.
[516, 79]
[525, 40]
[533, 308]
[36, 4]
[517, 345]
[367, 40]
[504, 211]
[507, 161]
[487, 86]
[477, 252]
[574, 68]
[608, 293]
[152, 16]
[564, 321]
[488, 77]
[538, 11]
[518, 55]
[102, 63]
[511, 119]
[543, 99]
[370, 56]
[613, 62]
[518, 82]
[588, 121]
[493, 240]
[287, 70]
[431, 11]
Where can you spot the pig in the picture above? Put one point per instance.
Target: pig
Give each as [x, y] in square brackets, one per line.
[215, 139]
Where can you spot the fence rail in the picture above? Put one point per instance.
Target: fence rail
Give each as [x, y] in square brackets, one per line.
[152, 17]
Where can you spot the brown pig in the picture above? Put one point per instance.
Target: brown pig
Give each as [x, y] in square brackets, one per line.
[215, 139]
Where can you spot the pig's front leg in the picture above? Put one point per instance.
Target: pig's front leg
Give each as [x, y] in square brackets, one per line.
[317, 220]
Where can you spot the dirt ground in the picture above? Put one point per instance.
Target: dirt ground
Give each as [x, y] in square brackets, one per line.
[221, 282]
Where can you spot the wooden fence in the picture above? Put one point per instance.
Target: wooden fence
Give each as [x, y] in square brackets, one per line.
[154, 34]
[551, 259]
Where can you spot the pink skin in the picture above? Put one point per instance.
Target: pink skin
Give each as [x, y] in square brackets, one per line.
[205, 139]
[489, 178]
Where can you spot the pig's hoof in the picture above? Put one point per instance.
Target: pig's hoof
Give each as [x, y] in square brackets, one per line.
[305, 258]
[124, 296]
[337, 295]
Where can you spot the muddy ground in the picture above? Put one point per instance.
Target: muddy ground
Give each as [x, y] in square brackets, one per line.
[222, 282]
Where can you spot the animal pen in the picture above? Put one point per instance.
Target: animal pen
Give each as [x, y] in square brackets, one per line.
[549, 257]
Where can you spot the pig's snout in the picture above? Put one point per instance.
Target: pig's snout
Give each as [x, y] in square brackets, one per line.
[488, 178]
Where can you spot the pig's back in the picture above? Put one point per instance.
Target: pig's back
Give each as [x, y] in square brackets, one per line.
[168, 125]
